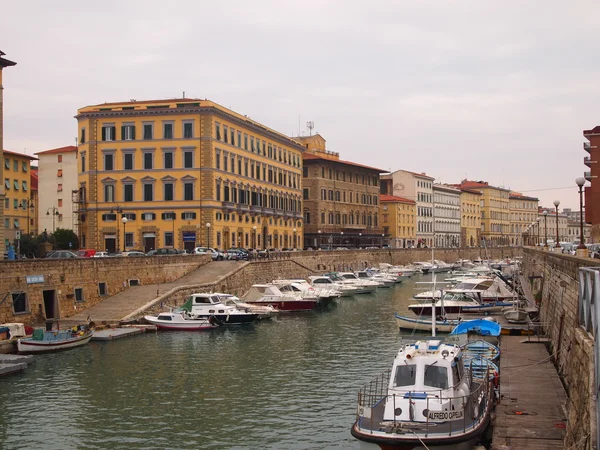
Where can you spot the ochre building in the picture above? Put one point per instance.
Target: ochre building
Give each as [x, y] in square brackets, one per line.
[470, 218]
[185, 173]
[341, 199]
[398, 218]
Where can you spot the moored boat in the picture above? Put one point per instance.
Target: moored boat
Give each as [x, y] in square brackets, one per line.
[268, 294]
[442, 325]
[181, 321]
[205, 305]
[427, 400]
[55, 340]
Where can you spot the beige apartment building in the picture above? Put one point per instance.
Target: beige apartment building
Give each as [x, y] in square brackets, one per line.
[341, 199]
[523, 212]
[57, 183]
[470, 218]
[446, 216]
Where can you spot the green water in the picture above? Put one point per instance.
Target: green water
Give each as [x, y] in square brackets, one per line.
[289, 383]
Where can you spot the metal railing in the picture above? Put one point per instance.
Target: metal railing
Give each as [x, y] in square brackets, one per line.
[589, 319]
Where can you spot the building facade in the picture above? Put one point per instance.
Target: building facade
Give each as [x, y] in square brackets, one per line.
[548, 223]
[341, 199]
[523, 212]
[446, 216]
[592, 192]
[470, 218]
[495, 212]
[57, 181]
[184, 173]
[419, 188]
[398, 218]
[3, 64]
[19, 203]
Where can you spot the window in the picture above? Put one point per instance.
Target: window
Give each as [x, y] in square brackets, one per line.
[128, 192]
[188, 191]
[218, 130]
[82, 139]
[109, 163]
[148, 192]
[148, 216]
[108, 132]
[188, 159]
[239, 140]
[168, 192]
[60, 202]
[16, 224]
[305, 192]
[225, 134]
[188, 215]
[128, 161]
[148, 160]
[405, 375]
[16, 184]
[168, 160]
[83, 162]
[59, 158]
[128, 132]
[168, 131]
[102, 291]
[7, 183]
[436, 376]
[188, 130]
[79, 295]
[59, 187]
[148, 131]
[109, 192]
[168, 239]
[19, 302]
[109, 217]
[129, 240]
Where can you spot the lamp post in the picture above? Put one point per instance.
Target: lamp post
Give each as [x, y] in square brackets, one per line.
[382, 236]
[359, 239]
[173, 227]
[124, 220]
[319, 241]
[55, 213]
[28, 205]
[556, 203]
[295, 231]
[254, 236]
[538, 230]
[545, 213]
[581, 248]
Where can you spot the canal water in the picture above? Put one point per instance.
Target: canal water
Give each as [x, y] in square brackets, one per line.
[287, 383]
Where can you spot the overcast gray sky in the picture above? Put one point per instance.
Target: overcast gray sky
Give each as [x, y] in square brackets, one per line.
[490, 90]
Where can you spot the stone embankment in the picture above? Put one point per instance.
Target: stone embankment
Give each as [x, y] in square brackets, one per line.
[554, 281]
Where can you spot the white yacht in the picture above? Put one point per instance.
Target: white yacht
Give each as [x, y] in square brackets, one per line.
[368, 286]
[385, 280]
[325, 282]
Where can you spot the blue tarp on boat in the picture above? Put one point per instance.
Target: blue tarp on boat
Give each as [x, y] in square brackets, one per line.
[478, 326]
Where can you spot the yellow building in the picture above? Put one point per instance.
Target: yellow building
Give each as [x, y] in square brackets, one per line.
[495, 213]
[3, 238]
[19, 202]
[470, 217]
[523, 212]
[185, 173]
[398, 219]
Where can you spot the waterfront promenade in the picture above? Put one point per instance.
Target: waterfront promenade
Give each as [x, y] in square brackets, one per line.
[117, 307]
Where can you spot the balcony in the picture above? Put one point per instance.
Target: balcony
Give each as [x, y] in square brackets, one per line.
[588, 161]
[588, 175]
[228, 205]
[242, 207]
[586, 146]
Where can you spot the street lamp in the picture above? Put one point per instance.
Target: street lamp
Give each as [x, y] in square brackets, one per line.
[580, 182]
[254, 237]
[556, 203]
[545, 213]
[124, 220]
[55, 213]
[538, 230]
[208, 234]
[28, 205]
[295, 231]
[319, 243]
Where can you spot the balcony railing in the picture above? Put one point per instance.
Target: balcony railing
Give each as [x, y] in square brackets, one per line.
[588, 175]
[588, 161]
[586, 146]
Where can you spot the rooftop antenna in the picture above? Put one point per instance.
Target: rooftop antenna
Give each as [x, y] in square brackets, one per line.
[183, 94]
[310, 125]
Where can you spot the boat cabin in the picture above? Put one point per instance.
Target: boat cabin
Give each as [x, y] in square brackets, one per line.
[427, 383]
[205, 304]
[262, 292]
[321, 280]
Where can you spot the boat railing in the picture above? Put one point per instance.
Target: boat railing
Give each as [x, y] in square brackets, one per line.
[473, 408]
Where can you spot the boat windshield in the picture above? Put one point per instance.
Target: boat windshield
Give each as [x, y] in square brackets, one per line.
[436, 376]
[405, 375]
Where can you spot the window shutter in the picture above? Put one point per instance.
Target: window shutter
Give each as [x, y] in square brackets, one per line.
[133, 132]
[103, 133]
[114, 133]
[123, 132]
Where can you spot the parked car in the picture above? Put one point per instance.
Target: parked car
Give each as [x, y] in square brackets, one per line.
[61, 254]
[101, 255]
[133, 253]
[237, 254]
[163, 251]
[215, 255]
[85, 253]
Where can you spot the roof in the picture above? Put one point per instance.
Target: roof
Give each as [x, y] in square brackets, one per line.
[67, 149]
[144, 102]
[420, 175]
[479, 184]
[519, 196]
[393, 198]
[20, 154]
[595, 130]
[312, 157]
[5, 62]
[33, 176]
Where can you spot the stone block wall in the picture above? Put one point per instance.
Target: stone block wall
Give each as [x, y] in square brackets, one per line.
[62, 277]
[554, 278]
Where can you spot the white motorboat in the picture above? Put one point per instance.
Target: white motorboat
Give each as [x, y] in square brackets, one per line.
[263, 311]
[306, 290]
[205, 305]
[325, 282]
[181, 321]
[269, 294]
[384, 280]
[402, 272]
[428, 399]
[367, 286]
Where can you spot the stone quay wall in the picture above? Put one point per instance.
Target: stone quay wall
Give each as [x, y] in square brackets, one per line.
[554, 282]
[62, 278]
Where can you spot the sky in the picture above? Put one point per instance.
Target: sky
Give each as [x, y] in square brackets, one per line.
[484, 90]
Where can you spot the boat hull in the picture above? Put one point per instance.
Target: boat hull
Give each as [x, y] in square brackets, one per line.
[288, 305]
[413, 323]
[28, 345]
[425, 309]
[188, 325]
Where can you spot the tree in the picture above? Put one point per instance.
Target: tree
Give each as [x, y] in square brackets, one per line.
[31, 246]
[61, 238]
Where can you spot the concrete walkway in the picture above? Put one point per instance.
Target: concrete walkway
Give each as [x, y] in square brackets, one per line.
[118, 306]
